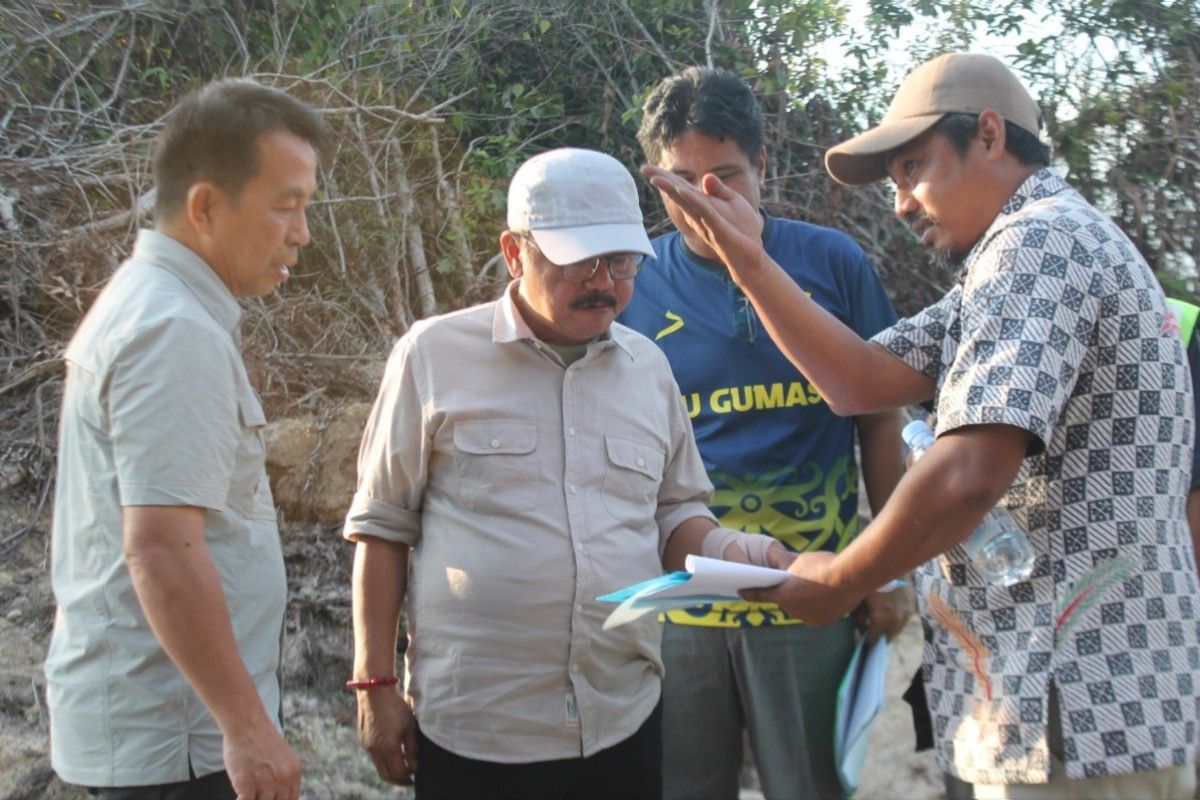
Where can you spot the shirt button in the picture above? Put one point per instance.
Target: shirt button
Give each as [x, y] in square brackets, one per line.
[579, 547]
[574, 489]
[575, 668]
[495, 443]
[579, 607]
[641, 461]
[571, 431]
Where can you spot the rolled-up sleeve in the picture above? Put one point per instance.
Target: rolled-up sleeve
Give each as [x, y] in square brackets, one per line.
[393, 457]
[685, 491]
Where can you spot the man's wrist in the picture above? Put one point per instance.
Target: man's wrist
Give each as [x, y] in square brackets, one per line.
[372, 683]
[249, 723]
[750, 272]
[722, 543]
[838, 574]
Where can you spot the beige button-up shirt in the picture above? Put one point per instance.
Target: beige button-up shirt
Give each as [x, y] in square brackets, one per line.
[157, 410]
[526, 489]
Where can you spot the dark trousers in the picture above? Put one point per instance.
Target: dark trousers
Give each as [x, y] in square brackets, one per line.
[628, 769]
[211, 787]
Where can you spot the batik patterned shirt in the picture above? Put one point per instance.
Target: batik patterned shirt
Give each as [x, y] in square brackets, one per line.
[1058, 327]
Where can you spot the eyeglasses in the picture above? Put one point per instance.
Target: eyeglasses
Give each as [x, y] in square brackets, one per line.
[744, 326]
[621, 267]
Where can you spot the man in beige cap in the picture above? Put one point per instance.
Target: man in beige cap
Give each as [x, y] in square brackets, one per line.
[1062, 389]
[525, 456]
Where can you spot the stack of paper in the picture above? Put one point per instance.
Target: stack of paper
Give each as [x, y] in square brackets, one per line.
[707, 580]
[860, 699]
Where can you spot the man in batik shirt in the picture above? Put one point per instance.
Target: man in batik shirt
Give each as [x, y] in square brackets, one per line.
[1062, 389]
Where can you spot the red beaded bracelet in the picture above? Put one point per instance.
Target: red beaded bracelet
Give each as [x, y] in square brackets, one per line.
[371, 683]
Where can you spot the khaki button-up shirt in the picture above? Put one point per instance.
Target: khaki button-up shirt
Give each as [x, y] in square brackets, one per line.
[526, 489]
[157, 410]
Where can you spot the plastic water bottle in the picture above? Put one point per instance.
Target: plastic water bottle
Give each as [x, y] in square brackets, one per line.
[999, 549]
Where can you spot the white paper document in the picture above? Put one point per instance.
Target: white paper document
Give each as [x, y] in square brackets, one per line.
[860, 699]
[707, 580]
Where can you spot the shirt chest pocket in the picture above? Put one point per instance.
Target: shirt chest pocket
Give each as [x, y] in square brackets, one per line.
[249, 491]
[632, 473]
[496, 462]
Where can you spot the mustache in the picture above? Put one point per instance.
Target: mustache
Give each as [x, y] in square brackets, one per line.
[916, 222]
[594, 299]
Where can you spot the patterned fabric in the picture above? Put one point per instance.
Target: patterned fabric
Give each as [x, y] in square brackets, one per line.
[1058, 327]
[781, 461]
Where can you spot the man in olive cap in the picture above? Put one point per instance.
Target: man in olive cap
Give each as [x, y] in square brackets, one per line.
[1062, 389]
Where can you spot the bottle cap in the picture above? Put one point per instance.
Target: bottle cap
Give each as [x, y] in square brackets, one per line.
[917, 434]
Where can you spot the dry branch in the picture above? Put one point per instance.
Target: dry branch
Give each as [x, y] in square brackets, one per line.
[125, 219]
[31, 374]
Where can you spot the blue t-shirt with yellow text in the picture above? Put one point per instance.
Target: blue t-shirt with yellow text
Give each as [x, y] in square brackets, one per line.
[781, 461]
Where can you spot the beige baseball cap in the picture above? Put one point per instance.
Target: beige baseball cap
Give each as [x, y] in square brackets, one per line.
[951, 83]
[577, 204]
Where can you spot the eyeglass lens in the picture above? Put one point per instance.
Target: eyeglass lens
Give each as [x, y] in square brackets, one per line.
[621, 266]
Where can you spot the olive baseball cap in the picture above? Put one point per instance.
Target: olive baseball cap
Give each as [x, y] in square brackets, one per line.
[951, 83]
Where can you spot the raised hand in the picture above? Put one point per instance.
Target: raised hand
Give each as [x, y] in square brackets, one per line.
[729, 225]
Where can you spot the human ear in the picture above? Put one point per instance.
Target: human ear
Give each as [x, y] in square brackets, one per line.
[761, 164]
[991, 132]
[510, 249]
[198, 206]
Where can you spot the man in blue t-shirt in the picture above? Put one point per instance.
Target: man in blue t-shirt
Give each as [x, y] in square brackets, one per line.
[781, 461]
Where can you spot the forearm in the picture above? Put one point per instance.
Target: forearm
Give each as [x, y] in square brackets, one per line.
[182, 598]
[854, 376]
[880, 449]
[701, 536]
[379, 584]
[935, 506]
[687, 539]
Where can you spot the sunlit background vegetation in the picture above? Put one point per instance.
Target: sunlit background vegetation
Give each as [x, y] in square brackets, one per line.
[435, 103]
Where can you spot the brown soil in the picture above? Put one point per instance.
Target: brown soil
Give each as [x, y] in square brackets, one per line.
[320, 714]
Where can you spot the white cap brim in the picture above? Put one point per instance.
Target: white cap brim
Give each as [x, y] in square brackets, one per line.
[568, 245]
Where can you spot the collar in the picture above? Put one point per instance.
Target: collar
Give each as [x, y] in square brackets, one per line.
[509, 326]
[169, 254]
[1043, 183]
[1038, 186]
[713, 265]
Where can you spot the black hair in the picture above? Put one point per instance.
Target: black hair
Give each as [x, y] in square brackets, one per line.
[960, 128]
[212, 136]
[711, 101]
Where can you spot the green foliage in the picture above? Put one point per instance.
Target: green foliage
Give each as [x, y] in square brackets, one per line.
[434, 103]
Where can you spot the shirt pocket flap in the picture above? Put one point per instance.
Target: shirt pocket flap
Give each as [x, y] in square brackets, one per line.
[637, 456]
[250, 411]
[486, 437]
